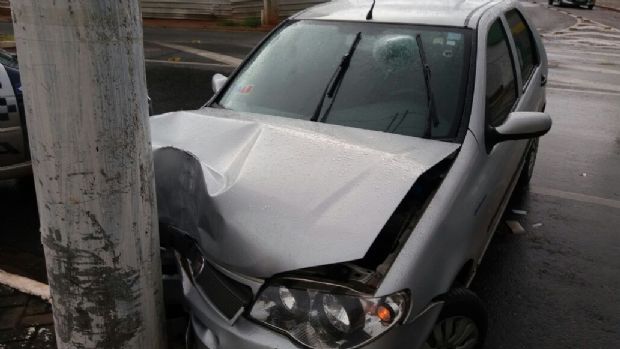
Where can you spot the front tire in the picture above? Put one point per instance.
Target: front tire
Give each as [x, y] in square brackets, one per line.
[551, 2]
[590, 7]
[462, 323]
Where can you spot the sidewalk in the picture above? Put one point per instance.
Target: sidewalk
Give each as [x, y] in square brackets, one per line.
[25, 321]
[609, 4]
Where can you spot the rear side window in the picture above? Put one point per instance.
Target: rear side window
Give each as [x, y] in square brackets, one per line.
[524, 41]
[501, 91]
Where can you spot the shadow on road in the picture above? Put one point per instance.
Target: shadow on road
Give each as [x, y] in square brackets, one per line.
[21, 251]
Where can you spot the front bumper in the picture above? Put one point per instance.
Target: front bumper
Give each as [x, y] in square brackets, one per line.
[210, 330]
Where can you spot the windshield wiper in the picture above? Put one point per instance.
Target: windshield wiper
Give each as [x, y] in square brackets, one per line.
[431, 120]
[336, 79]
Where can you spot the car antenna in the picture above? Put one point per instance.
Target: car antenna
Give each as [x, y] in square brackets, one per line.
[369, 14]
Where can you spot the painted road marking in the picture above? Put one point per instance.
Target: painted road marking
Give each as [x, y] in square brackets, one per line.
[232, 61]
[586, 69]
[25, 285]
[583, 84]
[191, 64]
[576, 197]
[567, 89]
[585, 33]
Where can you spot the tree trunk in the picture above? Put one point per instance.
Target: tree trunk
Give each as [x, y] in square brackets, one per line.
[82, 69]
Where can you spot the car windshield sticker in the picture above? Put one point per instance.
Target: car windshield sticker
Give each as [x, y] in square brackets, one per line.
[454, 36]
[246, 89]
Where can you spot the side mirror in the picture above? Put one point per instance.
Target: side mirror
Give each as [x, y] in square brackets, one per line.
[217, 82]
[520, 125]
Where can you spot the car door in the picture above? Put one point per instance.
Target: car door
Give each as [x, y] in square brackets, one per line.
[501, 161]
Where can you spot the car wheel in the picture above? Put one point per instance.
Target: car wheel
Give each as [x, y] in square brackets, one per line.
[528, 166]
[462, 323]
[551, 2]
[590, 7]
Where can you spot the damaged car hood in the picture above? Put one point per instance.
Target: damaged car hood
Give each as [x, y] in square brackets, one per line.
[264, 194]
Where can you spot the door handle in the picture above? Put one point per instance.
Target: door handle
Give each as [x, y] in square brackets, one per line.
[543, 80]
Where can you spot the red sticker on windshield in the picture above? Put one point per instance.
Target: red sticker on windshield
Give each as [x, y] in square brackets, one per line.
[246, 89]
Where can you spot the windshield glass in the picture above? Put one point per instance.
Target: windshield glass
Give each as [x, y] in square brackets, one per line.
[383, 88]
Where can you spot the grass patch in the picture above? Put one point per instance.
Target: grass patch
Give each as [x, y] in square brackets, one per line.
[227, 23]
[251, 22]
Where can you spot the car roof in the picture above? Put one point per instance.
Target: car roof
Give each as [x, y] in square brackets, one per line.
[455, 13]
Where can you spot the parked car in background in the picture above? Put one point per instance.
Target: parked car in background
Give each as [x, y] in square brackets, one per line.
[342, 186]
[588, 3]
[14, 151]
[14, 148]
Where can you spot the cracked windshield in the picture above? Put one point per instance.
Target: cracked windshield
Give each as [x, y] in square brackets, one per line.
[383, 89]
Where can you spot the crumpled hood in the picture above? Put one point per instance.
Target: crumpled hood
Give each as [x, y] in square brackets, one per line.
[265, 194]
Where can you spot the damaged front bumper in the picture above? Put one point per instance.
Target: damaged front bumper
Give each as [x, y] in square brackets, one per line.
[211, 329]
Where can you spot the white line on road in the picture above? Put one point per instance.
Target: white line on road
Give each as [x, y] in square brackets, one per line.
[584, 84]
[586, 68]
[553, 51]
[191, 64]
[576, 197]
[233, 61]
[583, 91]
[25, 285]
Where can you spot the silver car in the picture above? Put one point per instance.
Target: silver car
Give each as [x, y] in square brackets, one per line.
[342, 186]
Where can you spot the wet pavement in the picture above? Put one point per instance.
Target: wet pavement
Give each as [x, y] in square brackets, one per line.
[555, 286]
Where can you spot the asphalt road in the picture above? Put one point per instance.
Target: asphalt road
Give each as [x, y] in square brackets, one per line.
[557, 285]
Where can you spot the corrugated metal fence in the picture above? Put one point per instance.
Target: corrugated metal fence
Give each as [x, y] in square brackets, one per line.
[201, 9]
[192, 9]
[252, 8]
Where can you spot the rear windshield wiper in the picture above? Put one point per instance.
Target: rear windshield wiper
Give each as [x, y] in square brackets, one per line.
[431, 120]
[336, 79]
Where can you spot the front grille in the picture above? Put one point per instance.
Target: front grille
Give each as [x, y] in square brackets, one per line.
[227, 295]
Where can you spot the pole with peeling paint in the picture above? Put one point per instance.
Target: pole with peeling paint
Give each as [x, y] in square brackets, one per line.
[82, 69]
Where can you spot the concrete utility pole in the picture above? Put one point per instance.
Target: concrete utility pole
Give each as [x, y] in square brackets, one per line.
[82, 69]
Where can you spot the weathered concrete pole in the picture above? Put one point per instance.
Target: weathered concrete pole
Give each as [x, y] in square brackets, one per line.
[82, 69]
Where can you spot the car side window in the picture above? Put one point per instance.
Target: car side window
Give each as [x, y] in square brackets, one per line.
[501, 92]
[524, 41]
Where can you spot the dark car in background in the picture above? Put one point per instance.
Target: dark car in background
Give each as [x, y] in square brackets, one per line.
[588, 3]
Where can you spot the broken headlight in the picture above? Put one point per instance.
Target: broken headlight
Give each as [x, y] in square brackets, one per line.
[323, 318]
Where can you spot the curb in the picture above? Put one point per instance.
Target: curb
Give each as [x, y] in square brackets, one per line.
[7, 44]
[615, 9]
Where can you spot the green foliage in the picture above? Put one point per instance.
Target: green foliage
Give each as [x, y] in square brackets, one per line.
[252, 22]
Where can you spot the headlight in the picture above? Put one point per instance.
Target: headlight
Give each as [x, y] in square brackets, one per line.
[327, 317]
